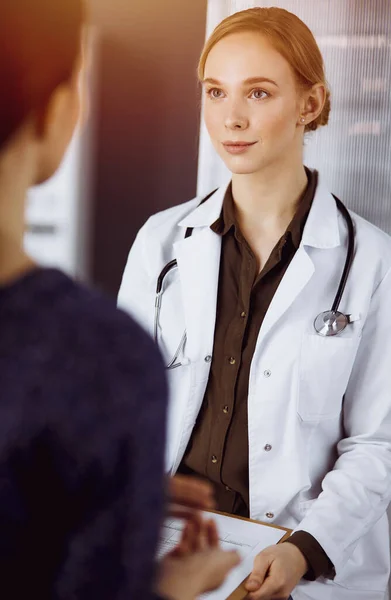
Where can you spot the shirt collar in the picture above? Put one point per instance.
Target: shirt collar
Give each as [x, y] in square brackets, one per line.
[227, 218]
[321, 228]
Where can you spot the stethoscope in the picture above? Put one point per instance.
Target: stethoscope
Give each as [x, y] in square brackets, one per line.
[328, 323]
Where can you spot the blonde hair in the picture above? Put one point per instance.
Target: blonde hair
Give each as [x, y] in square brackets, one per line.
[289, 36]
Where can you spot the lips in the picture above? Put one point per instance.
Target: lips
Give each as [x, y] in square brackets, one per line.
[237, 147]
[232, 143]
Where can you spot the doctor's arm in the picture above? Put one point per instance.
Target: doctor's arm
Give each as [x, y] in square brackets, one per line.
[356, 493]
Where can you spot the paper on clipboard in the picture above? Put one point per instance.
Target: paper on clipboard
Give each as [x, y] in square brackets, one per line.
[247, 537]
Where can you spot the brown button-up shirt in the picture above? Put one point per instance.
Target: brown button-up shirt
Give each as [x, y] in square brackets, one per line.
[218, 449]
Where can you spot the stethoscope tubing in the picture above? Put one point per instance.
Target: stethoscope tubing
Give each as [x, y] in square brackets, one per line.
[174, 363]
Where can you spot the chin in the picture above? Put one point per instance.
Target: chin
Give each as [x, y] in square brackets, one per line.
[242, 167]
[242, 170]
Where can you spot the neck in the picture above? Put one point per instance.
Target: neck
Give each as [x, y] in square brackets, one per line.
[15, 178]
[268, 200]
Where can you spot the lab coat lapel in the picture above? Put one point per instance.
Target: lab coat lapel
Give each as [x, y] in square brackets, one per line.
[295, 279]
[321, 231]
[198, 260]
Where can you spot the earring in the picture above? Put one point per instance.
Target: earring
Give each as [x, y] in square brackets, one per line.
[302, 120]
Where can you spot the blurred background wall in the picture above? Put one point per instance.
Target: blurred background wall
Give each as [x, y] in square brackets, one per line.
[138, 153]
[148, 117]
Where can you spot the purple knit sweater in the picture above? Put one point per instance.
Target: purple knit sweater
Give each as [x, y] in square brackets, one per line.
[82, 431]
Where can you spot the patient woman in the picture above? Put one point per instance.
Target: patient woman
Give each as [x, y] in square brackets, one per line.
[83, 392]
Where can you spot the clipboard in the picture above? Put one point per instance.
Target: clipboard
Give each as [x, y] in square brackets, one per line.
[240, 593]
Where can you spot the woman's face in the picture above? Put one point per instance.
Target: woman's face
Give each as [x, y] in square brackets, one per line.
[251, 96]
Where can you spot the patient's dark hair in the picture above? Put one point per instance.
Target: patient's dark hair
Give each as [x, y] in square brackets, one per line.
[39, 46]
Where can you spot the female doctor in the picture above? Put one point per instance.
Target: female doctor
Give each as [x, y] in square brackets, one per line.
[273, 317]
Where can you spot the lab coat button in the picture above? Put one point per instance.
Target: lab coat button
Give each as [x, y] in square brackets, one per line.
[267, 373]
[267, 448]
[269, 515]
[214, 459]
[208, 358]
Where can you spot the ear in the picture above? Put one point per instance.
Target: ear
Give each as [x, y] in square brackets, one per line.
[60, 106]
[54, 127]
[312, 102]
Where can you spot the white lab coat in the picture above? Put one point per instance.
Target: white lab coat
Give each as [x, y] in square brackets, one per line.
[323, 404]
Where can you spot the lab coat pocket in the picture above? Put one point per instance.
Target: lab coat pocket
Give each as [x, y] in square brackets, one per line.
[324, 370]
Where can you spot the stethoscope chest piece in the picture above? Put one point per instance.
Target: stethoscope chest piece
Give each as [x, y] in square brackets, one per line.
[330, 322]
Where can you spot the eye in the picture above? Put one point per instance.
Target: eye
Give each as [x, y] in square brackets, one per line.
[214, 93]
[260, 94]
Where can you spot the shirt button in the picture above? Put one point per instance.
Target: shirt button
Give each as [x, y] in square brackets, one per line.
[267, 373]
[243, 314]
[269, 515]
[208, 358]
[214, 459]
[225, 410]
[228, 488]
[232, 361]
[267, 448]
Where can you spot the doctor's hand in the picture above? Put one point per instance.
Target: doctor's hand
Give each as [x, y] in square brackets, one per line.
[276, 572]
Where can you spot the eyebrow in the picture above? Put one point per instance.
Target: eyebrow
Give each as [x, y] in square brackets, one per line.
[248, 81]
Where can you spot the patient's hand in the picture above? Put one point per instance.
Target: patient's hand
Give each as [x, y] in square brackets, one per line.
[197, 565]
[187, 495]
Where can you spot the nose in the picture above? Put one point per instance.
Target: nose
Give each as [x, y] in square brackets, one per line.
[235, 119]
[236, 122]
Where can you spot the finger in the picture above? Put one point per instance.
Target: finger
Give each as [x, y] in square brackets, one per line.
[194, 535]
[191, 492]
[185, 543]
[273, 585]
[259, 573]
[213, 534]
[191, 536]
[182, 512]
[270, 589]
[203, 537]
